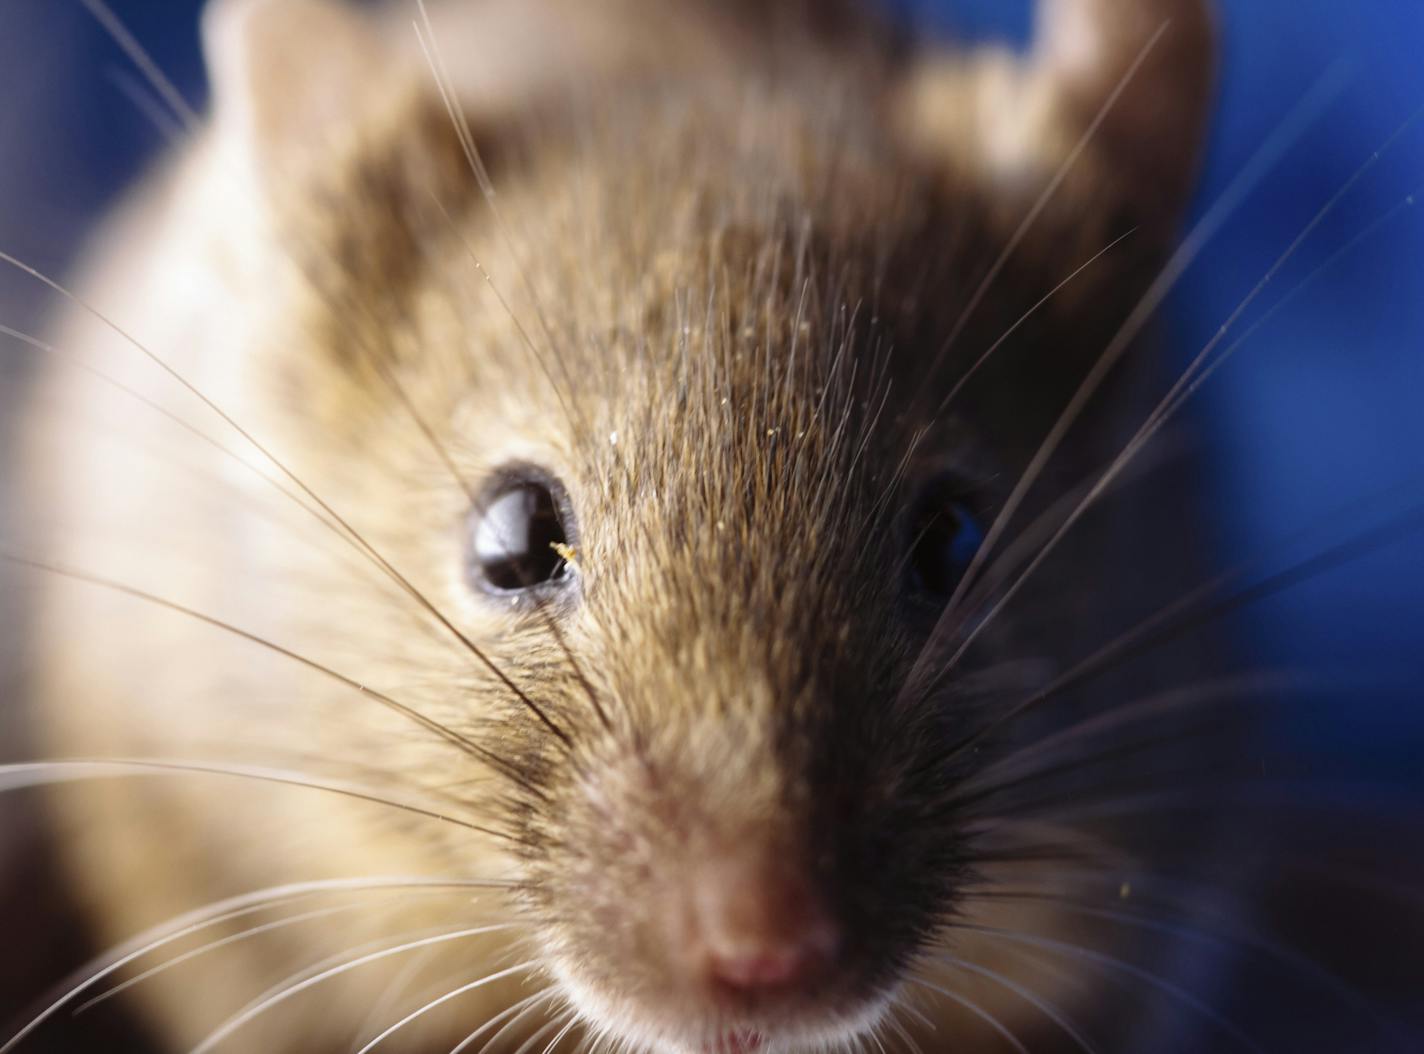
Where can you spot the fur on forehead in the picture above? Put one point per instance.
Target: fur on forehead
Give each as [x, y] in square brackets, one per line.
[364, 170]
[289, 74]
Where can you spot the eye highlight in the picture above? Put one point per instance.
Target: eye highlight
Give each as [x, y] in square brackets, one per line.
[944, 536]
[518, 541]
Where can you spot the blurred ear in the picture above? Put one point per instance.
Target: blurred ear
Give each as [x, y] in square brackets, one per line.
[1129, 79]
[288, 76]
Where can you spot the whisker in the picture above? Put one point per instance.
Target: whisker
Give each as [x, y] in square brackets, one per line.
[1150, 708]
[1188, 927]
[447, 997]
[1373, 227]
[38, 773]
[1244, 182]
[132, 393]
[969, 374]
[213, 914]
[518, 1011]
[1184, 385]
[980, 800]
[415, 594]
[223, 942]
[141, 59]
[1202, 605]
[901, 1032]
[392, 993]
[429, 724]
[149, 104]
[1083, 954]
[562, 391]
[461, 125]
[1044, 197]
[1042, 1005]
[554, 1023]
[232, 1024]
[975, 1009]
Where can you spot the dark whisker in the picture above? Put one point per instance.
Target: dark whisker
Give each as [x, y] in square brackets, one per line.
[405, 583]
[1176, 396]
[461, 125]
[1246, 180]
[1044, 197]
[978, 363]
[69, 769]
[1112, 963]
[429, 724]
[1191, 929]
[1200, 607]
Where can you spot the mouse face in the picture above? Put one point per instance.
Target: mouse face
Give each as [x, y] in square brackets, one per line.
[698, 528]
[636, 413]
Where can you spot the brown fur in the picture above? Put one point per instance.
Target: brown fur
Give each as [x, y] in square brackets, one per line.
[719, 263]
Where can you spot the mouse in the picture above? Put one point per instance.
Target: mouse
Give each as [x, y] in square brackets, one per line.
[540, 515]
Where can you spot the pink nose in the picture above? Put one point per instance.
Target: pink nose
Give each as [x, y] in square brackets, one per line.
[762, 927]
[769, 967]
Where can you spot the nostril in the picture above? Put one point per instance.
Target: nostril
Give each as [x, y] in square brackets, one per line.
[762, 928]
[768, 967]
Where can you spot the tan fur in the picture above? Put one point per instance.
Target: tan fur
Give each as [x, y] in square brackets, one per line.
[683, 198]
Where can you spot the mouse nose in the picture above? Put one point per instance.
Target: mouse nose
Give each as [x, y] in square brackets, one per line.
[761, 927]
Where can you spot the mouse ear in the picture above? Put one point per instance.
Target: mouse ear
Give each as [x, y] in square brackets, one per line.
[287, 75]
[1110, 101]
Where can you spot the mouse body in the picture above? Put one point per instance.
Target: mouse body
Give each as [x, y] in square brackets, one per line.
[521, 572]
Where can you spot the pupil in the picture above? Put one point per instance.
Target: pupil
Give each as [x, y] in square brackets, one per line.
[514, 540]
[945, 541]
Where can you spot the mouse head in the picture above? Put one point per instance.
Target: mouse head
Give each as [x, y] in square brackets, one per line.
[647, 351]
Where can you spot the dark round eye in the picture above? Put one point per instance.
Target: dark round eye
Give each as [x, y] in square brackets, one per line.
[944, 536]
[517, 538]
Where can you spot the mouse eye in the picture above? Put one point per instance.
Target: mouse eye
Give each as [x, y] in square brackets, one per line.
[944, 536]
[517, 537]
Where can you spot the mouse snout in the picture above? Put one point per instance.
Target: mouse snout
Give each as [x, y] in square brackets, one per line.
[759, 926]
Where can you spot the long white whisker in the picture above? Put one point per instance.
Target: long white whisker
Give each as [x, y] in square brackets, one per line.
[141, 58]
[38, 773]
[514, 1013]
[454, 993]
[235, 1022]
[218, 912]
[975, 1009]
[1047, 1009]
[212, 946]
